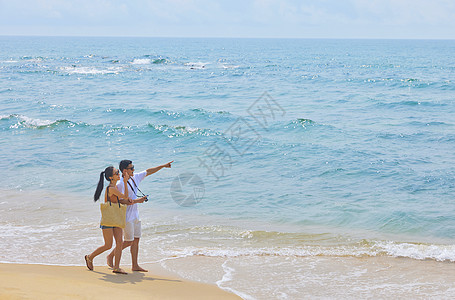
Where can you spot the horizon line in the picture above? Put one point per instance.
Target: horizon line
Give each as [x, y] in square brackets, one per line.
[229, 37]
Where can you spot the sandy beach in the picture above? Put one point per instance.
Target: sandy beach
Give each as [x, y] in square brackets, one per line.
[18, 281]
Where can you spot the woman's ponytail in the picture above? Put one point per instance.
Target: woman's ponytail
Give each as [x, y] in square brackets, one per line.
[100, 187]
[107, 173]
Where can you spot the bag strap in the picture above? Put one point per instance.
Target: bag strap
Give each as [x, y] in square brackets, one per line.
[109, 198]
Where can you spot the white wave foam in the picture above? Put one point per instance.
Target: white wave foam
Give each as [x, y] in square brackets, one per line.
[8, 61]
[179, 130]
[185, 129]
[35, 229]
[224, 66]
[30, 122]
[418, 251]
[141, 61]
[91, 70]
[229, 276]
[394, 249]
[275, 251]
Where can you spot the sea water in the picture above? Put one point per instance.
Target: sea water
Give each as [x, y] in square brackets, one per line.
[306, 153]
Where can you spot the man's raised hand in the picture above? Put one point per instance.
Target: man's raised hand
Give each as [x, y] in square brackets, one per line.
[168, 165]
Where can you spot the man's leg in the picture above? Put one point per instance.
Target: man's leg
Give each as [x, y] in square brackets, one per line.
[134, 254]
[110, 256]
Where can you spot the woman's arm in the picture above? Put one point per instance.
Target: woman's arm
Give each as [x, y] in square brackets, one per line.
[122, 197]
[127, 202]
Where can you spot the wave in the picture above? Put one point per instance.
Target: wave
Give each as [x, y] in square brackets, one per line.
[34, 123]
[148, 61]
[191, 65]
[400, 136]
[226, 66]
[6, 90]
[6, 117]
[208, 112]
[412, 103]
[159, 61]
[178, 131]
[394, 82]
[20, 121]
[378, 66]
[23, 121]
[300, 123]
[91, 70]
[92, 64]
[362, 249]
[269, 251]
[235, 242]
[141, 61]
[417, 251]
[195, 113]
[33, 59]
[193, 122]
[433, 123]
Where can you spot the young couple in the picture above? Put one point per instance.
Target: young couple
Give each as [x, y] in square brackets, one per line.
[117, 193]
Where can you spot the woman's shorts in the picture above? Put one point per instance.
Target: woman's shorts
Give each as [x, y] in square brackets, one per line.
[106, 227]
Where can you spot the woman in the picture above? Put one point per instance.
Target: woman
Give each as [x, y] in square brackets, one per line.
[112, 193]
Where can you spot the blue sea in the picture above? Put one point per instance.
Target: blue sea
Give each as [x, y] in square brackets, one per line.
[287, 153]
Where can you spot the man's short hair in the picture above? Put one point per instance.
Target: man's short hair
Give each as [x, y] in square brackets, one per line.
[124, 164]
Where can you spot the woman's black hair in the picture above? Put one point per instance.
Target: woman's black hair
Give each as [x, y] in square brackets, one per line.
[107, 173]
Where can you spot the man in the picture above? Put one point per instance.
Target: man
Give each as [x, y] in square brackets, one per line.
[132, 231]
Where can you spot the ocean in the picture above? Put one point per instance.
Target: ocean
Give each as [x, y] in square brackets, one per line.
[290, 155]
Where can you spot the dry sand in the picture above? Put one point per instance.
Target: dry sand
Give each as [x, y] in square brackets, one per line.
[61, 282]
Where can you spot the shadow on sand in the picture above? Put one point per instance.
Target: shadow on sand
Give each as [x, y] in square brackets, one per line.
[131, 278]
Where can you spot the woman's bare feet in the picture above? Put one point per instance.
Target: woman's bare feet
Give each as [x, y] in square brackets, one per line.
[110, 261]
[139, 269]
[119, 271]
[88, 262]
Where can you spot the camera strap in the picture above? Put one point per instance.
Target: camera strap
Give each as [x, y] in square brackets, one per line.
[137, 188]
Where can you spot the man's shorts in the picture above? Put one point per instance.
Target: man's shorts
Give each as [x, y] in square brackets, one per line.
[132, 230]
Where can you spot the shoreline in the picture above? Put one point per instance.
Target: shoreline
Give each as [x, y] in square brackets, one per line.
[248, 277]
[23, 281]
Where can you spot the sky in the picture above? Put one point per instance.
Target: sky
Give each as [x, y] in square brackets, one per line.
[374, 19]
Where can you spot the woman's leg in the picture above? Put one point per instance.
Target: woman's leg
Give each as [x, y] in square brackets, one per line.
[118, 235]
[108, 233]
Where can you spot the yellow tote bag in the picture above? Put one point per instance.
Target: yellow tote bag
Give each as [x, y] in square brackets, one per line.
[113, 215]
